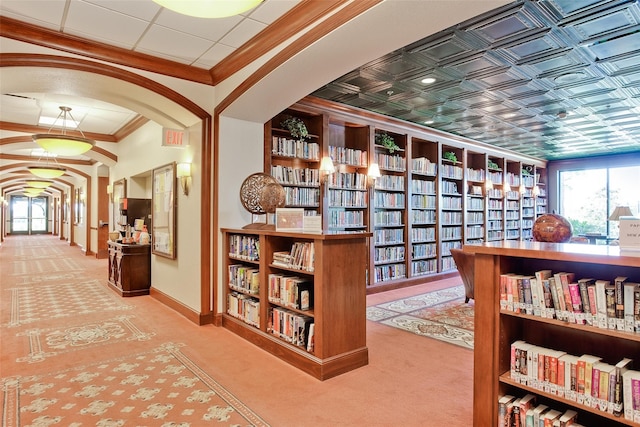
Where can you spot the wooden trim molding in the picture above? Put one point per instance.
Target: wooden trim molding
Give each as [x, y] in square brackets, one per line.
[174, 304]
[285, 27]
[33, 34]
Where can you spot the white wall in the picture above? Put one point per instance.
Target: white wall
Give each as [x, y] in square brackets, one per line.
[241, 154]
[138, 155]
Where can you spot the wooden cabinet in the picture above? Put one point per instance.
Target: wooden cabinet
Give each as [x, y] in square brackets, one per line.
[129, 269]
[496, 330]
[338, 286]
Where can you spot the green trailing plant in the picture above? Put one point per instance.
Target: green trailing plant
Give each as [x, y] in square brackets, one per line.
[386, 140]
[493, 165]
[526, 172]
[450, 155]
[296, 128]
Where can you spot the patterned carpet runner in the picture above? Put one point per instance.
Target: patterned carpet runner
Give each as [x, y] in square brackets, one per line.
[442, 315]
[74, 353]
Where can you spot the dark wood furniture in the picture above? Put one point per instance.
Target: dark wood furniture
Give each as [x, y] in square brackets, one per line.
[423, 204]
[339, 295]
[495, 330]
[465, 264]
[129, 269]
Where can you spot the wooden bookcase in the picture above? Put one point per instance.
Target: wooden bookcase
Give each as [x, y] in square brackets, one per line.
[495, 330]
[296, 164]
[451, 209]
[423, 207]
[347, 188]
[390, 212]
[411, 237]
[339, 298]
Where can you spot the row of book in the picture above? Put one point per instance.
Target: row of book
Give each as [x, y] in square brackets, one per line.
[295, 148]
[525, 412]
[301, 257]
[424, 166]
[244, 247]
[243, 307]
[601, 303]
[587, 379]
[244, 278]
[296, 176]
[351, 181]
[291, 291]
[292, 327]
[348, 156]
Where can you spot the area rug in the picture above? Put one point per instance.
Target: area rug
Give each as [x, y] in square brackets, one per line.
[160, 387]
[441, 315]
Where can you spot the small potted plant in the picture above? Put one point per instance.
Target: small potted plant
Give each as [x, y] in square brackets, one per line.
[386, 140]
[296, 128]
[493, 166]
[451, 156]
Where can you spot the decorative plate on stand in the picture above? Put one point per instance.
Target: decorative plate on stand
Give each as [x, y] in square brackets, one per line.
[261, 194]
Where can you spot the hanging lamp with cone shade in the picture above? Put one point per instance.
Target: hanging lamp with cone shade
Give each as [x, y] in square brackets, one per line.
[61, 143]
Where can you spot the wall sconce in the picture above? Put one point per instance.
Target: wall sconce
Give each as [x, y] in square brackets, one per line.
[374, 171]
[326, 167]
[183, 172]
[110, 192]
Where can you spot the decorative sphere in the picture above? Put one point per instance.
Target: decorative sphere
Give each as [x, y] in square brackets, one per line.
[552, 228]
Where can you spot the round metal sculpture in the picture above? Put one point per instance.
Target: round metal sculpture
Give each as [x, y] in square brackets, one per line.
[552, 228]
[261, 194]
[273, 197]
[251, 192]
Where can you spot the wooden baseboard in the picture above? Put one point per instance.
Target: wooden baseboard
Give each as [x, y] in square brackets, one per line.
[405, 283]
[188, 312]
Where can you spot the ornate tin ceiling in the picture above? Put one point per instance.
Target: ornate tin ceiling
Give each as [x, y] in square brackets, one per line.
[552, 79]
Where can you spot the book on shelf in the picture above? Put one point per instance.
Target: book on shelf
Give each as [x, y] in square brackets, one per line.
[618, 399]
[568, 418]
[290, 291]
[550, 416]
[631, 395]
[619, 301]
[630, 310]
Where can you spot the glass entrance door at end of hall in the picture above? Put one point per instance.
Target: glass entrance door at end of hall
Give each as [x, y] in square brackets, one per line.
[28, 215]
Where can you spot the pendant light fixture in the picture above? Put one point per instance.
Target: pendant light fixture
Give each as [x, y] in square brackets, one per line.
[34, 183]
[61, 143]
[209, 8]
[47, 172]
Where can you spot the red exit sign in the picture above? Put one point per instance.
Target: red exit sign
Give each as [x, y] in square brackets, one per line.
[174, 138]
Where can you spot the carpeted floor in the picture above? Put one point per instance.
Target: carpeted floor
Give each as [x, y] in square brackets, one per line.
[74, 353]
[441, 315]
[54, 311]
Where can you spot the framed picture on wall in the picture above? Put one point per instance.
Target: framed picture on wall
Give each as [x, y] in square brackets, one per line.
[163, 229]
[119, 192]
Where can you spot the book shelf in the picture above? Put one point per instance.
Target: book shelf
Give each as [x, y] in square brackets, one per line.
[347, 204]
[451, 212]
[496, 328]
[268, 312]
[423, 208]
[389, 212]
[413, 225]
[295, 163]
[528, 204]
[476, 177]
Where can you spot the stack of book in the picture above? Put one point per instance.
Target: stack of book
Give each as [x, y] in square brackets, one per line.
[292, 292]
[292, 327]
[587, 379]
[245, 279]
[524, 411]
[301, 257]
[608, 304]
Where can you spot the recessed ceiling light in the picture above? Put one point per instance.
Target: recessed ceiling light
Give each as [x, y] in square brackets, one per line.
[428, 80]
[562, 114]
[428, 122]
[569, 78]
